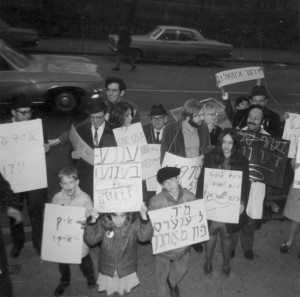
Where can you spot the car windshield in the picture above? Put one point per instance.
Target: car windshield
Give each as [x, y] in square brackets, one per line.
[18, 59]
[155, 32]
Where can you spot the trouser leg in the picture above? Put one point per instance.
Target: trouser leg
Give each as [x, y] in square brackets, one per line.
[162, 273]
[247, 235]
[17, 230]
[65, 272]
[235, 239]
[178, 269]
[86, 267]
[36, 203]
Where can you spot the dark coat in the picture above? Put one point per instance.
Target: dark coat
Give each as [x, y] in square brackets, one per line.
[241, 164]
[118, 253]
[7, 199]
[173, 141]
[150, 135]
[86, 170]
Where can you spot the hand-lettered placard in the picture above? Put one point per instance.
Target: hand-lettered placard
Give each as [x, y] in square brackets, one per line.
[190, 169]
[233, 76]
[296, 183]
[178, 226]
[222, 194]
[292, 132]
[130, 135]
[267, 156]
[150, 160]
[62, 234]
[85, 151]
[22, 152]
[118, 179]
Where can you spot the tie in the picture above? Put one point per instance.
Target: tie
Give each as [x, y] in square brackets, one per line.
[157, 137]
[96, 138]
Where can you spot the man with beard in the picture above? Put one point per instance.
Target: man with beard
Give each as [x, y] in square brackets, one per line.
[257, 194]
[189, 137]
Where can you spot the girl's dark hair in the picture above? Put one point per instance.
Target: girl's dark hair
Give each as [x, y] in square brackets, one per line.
[107, 223]
[236, 149]
[118, 113]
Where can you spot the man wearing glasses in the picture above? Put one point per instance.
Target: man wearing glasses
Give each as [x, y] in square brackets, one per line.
[154, 130]
[95, 133]
[21, 111]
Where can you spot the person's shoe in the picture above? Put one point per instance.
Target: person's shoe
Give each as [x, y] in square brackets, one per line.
[249, 255]
[16, 250]
[116, 69]
[284, 249]
[198, 247]
[91, 282]
[60, 289]
[232, 254]
[225, 271]
[133, 68]
[207, 270]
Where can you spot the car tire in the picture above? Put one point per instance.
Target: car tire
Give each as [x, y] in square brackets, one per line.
[65, 102]
[203, 60]
[135, 54]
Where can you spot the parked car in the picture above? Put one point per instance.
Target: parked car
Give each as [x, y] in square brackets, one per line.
[178, 43]
[64, 82]
[18, 37]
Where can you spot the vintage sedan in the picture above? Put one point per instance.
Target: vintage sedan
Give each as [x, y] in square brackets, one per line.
[177, 43]
[63, 82]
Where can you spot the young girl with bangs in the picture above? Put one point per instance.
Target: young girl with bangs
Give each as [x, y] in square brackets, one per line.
[118, 234]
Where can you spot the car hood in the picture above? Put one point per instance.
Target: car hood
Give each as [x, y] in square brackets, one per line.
[63, 64]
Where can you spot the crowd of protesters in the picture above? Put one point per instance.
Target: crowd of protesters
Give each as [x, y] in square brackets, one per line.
[195, 134]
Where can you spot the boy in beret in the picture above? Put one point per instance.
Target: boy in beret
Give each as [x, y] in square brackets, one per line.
[171, 266]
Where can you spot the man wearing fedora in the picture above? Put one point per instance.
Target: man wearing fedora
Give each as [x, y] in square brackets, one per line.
[95, 134]
[21, 110]
[154, 130]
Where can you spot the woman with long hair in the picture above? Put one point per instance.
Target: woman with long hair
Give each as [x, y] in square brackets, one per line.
[121, 115]
[226, 155]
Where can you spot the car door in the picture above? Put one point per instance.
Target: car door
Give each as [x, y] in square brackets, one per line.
[187, 44]
[12, 82]
[165, 46]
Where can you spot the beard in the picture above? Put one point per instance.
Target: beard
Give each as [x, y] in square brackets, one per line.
[193, 124]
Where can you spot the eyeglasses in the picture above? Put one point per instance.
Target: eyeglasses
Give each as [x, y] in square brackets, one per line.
[160, 119]
[96, 117]
[25, 113]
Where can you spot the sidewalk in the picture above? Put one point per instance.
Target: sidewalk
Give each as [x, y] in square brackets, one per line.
[99, 47]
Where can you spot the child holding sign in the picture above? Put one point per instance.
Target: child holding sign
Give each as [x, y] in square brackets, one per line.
[71, 195]
[171, 266]
[118, 234]
[227, 156]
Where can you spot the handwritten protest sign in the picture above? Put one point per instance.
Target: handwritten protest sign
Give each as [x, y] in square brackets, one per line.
[22, 150]
[150, 160]
[292, 132]
[178, 226]
[190, 169]
[62, 234]
[222, 194]
[131, 135]
[296, 183]
[233, 76]
[118, 179]
[267, 156]
[85, 151]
